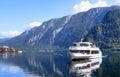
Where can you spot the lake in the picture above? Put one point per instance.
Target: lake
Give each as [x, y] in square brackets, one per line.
[50, 63]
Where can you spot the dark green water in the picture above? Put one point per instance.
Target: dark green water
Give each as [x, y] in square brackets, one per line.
[57, 64]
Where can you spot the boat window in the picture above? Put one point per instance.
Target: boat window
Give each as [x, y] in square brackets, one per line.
[88, 52]
[91, 45]
[94, 52]
[85, 51]
[85, 67]
[95, 63]
[83, 44]
[73, 51]
[81, 51]
[74, 44]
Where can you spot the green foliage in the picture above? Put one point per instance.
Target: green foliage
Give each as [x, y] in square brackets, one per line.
[107, 33]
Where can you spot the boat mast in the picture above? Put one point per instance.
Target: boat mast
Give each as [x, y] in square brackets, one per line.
[82, 40]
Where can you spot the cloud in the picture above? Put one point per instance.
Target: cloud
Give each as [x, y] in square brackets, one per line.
[118, 1]
[9, 34]
[33, 24]
[13, 33]
[86, 5]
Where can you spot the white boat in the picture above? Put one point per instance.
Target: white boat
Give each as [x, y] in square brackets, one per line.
[20, 51]
[84, 50]
[84, 68]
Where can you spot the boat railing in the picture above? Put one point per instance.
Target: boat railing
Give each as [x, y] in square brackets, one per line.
[72, 46]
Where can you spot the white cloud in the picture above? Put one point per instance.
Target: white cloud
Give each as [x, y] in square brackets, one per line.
[118, 1]
[86, 5]
[9, 34]
[13, 33]
[33, 24]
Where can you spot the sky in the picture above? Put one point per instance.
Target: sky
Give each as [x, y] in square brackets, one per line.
[16, 16]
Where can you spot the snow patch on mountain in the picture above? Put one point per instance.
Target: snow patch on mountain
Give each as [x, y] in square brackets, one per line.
[33, 39]
[67, 19]
[55, 32]
[51, 23]
[43, 27]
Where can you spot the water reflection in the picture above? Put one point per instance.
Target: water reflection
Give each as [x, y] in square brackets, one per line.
[37, 64]
[84, 68]
[57, 64]
[8, 70]
[7, 54]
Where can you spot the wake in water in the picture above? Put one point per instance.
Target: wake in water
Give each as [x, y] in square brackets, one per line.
[104, 56]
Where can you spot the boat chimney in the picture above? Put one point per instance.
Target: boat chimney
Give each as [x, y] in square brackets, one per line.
[82, 40]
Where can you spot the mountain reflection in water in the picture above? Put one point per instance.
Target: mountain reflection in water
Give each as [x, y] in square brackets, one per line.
[38, 64]
[57, 64]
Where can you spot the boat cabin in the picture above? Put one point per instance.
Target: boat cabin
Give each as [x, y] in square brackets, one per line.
[84, 49]
[83, 44]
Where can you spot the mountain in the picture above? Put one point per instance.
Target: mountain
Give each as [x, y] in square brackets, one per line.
[60, 32]
[4, 39]
[107, 33]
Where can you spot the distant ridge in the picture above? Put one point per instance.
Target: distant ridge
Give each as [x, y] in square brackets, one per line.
[4, 39]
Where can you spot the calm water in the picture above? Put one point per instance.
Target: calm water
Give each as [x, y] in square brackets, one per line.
[57, 64]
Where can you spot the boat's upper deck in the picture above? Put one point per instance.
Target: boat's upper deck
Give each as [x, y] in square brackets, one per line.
[83, 44]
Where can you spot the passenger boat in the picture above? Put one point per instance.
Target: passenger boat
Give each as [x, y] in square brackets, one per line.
[84, 50]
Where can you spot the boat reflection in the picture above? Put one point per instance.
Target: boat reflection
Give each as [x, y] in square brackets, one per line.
[84, 68]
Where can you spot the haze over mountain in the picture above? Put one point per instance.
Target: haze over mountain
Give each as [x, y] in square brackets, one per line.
[61, 32]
